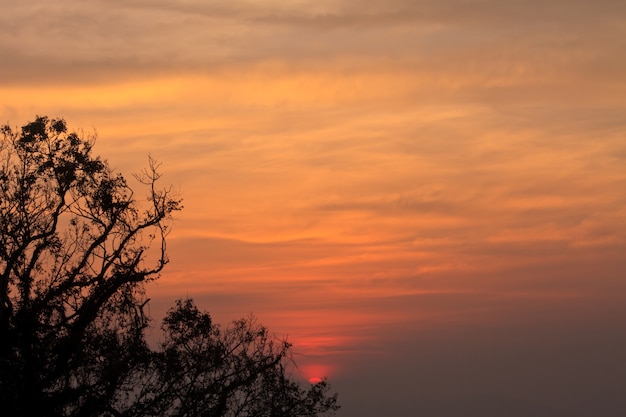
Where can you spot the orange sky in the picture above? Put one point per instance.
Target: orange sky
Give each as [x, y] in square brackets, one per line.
[416, 193]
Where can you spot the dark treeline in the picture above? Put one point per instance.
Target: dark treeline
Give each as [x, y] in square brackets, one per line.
[76, 249]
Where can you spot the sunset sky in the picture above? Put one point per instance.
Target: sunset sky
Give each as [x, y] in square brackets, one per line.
[428, 198]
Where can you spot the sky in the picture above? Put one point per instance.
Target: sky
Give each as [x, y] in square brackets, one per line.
[426, 198]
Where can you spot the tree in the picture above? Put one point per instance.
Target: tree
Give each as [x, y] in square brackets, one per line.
[202, 370]
[76, 249]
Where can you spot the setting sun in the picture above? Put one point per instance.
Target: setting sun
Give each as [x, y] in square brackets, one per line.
[316, 373]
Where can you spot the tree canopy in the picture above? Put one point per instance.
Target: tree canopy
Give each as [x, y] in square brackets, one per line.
[76, 250]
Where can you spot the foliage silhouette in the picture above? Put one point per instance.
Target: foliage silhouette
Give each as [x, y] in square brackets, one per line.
[76, 249]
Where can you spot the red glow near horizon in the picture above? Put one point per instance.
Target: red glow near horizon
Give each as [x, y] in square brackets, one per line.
[315, 373]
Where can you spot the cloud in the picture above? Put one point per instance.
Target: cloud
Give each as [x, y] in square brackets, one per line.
[519, 41]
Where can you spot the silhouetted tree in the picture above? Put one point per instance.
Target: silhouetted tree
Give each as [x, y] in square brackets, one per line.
[76, 249]
[202, 370]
